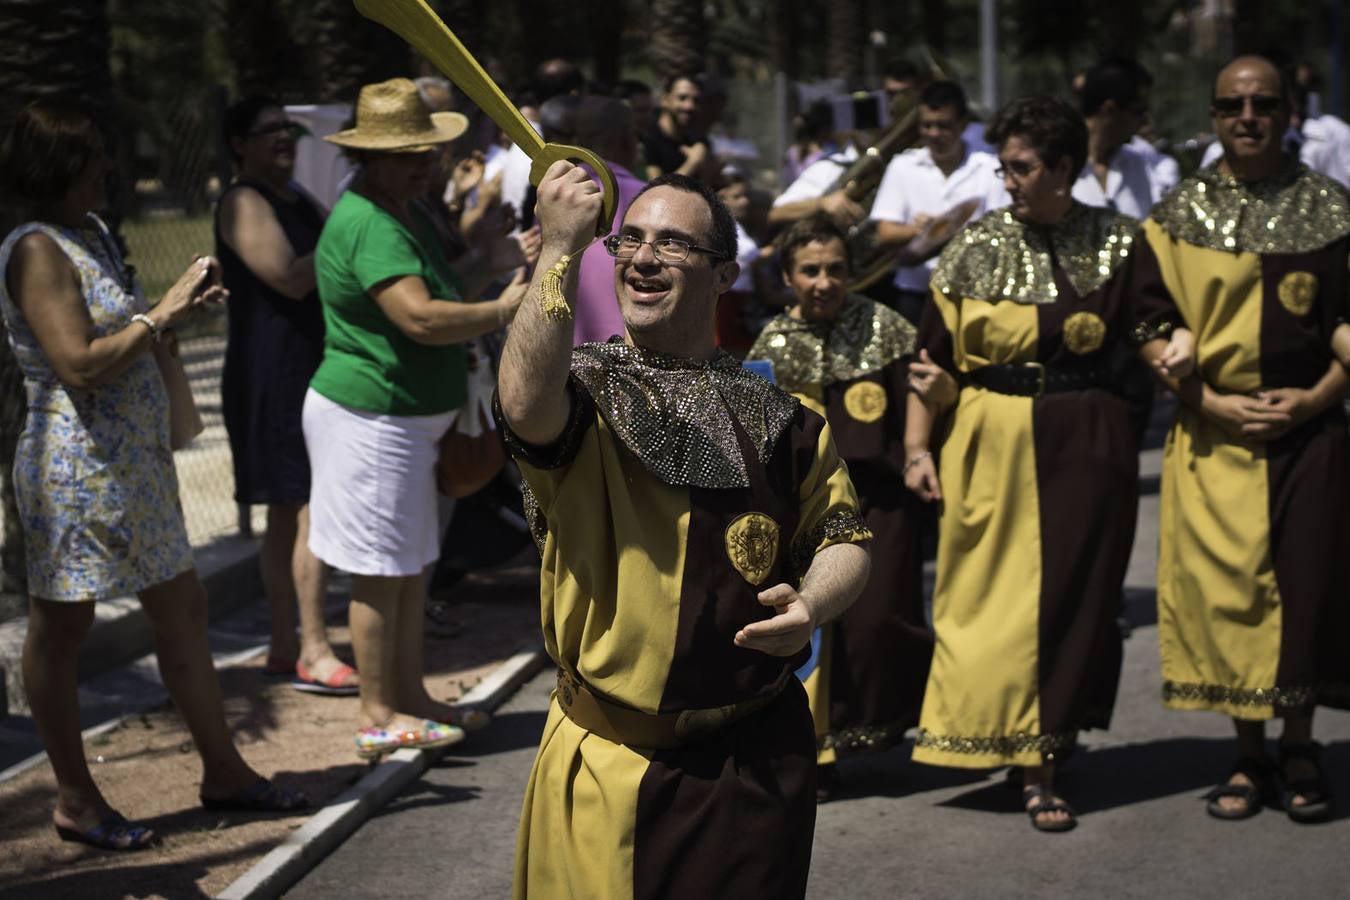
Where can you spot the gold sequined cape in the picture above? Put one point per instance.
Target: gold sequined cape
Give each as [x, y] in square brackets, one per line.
[644, 583]
[1039, 493]
[1251, 575]
[862, 340]
[999, 257]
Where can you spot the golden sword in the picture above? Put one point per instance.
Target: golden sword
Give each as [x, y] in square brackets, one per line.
[417, 24]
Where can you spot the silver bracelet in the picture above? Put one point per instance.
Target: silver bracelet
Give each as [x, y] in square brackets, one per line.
[914, 461]
[148, 323]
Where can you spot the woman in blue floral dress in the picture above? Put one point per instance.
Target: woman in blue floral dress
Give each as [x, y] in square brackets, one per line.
[94, 475]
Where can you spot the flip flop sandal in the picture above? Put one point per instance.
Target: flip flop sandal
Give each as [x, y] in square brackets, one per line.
[1049, 804]
[1316, 793]
[113, 833]
[1259, 772]
[261, 796]
[338, 684]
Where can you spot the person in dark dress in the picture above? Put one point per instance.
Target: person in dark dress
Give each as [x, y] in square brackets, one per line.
[266, 230]
[847, 358]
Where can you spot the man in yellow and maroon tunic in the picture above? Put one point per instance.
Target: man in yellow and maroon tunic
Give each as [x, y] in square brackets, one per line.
[696, 524]
[848, 358]
[1252, 605]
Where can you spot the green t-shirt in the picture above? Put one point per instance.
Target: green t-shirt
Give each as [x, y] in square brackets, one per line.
[368, 363]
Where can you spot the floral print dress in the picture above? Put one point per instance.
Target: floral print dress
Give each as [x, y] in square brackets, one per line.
[94, 475]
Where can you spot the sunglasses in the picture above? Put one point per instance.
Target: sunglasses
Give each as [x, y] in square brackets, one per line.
[1232, 107]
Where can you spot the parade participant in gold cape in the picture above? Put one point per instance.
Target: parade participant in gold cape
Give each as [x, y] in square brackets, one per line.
[1252, 616]
[1038, 470]
[847, 358]
[696, 524]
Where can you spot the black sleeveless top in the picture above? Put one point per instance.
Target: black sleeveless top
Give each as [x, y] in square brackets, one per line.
[275, 345]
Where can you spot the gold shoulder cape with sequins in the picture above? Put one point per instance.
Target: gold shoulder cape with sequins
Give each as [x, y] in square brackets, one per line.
[863, 339]
[679, 416]
[1297, 211]
[1002, 258]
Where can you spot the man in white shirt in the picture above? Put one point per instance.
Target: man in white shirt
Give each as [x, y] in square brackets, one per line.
[1166, 171]
[1115, 104]
[942, 180]
[811, 193]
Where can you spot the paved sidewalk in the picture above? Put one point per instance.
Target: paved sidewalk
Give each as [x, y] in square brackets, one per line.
[146, 766]
[899, 829]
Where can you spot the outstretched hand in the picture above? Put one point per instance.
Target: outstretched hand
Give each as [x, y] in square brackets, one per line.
[788, 631]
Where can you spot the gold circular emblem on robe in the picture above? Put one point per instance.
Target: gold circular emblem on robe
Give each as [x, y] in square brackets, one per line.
[1084, 333]
[1297, 292]
[865, 401]
[752, 545]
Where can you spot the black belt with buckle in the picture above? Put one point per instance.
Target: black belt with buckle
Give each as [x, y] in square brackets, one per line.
[1033, 379]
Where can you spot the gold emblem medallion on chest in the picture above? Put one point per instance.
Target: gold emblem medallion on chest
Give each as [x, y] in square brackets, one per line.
[1084, 333]
[865, 401]
[1297, 291]
[752, 545]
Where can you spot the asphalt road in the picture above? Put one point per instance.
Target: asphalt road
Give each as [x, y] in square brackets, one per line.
[901, 830]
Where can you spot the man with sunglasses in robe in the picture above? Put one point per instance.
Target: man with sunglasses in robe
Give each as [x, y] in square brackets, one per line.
[1251, 256]
[695, 525]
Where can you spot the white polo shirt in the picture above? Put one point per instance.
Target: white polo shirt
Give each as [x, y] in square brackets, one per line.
[913, 185]
[1165, 170]
[1326, 147]
[1130, 188]
[817, 178]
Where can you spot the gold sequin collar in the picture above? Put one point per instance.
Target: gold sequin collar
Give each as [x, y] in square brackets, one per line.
[681, 417]
[1001, 257]
[864, 338]
[1296, 211]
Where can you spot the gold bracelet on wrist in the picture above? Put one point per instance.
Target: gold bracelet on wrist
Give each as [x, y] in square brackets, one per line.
[552, 303]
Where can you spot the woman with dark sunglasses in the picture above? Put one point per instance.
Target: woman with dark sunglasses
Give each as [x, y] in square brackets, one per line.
[266, 230]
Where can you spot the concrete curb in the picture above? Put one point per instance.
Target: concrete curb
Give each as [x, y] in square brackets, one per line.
[121, 632]
[272, 875]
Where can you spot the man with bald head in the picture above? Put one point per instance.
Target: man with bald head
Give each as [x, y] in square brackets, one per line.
[1250, 256]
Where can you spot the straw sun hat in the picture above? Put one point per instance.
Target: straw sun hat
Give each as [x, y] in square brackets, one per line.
[391, 117]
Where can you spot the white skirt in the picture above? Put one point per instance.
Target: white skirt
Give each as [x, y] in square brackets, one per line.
[372, 501]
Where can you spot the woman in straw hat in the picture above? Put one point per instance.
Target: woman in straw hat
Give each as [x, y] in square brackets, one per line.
[392, 374]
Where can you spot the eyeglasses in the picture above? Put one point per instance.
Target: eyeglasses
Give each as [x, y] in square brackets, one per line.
[294, 128]
[1232, 107]
[667, 250]
[1017, 168]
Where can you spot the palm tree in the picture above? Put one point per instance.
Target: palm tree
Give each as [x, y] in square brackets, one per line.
[845, 54]
[679, 37]
[53, 48]
[260, 37]
[350, 50]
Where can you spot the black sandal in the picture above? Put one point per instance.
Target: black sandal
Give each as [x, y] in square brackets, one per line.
[1050, 803]
[113, 833]
[1316, 793]
[1259, 772]
[261, 796]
